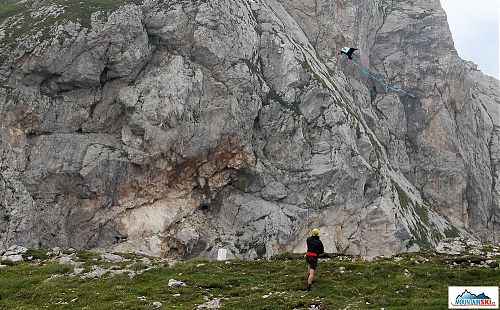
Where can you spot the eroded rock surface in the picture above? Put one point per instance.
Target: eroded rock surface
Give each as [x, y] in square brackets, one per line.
[175, 128]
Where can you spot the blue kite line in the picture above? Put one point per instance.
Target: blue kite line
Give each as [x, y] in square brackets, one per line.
[376, 78]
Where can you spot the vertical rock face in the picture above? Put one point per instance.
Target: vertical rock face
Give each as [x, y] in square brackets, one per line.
[178, 127]
[437, 140]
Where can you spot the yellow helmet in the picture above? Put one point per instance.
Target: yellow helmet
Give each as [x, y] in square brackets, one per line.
[315, 232]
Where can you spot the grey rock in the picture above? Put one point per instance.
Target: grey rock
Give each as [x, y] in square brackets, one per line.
[109, 257]
[157, 304]
[114, 272]
[211, 304]
[492, 263]
[13, 257]
[177, 129]
[407, 273]
[454, 175]
[175, 283]
[96, 272]
[451, 247]
[66, 260]
[16, 249]
[52, 277]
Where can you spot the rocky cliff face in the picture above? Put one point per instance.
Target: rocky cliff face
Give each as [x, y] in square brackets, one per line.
[178, 127]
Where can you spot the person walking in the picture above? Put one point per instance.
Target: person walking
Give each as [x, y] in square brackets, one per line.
[314, 249]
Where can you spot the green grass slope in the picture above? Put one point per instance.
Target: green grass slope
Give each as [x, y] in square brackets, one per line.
[35, 21]
[412, 281]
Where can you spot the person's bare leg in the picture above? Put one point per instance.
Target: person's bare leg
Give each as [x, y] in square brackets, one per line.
[310, 279]
[308, 271]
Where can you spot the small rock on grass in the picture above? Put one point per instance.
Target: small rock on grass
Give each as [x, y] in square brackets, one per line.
[112, 257]
[55, 252]
[66, 260]
[157, 304]
[211, 304]
[13, 258]
[96, 272]
[175, 283]
[17, 249]
[146, 261]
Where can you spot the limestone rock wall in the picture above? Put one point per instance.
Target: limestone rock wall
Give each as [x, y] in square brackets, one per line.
[177, 127]
[444, 141]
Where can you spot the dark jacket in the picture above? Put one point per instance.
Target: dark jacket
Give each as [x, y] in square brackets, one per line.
[314, 245]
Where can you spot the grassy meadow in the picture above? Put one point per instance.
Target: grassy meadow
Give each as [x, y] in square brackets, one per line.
[410, 281]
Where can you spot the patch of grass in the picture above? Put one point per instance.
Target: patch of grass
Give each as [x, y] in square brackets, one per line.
[288, 256]
[358, 131]
[36, 253]
[423, 233]
[127, 255]
[273, 95]
[7, 262]
[404, 200]
[59, 269]
[422, 213]
[420, 233]
[137, 266]
[88, 256]
[381, 283]
[23, 25]
[253, 68]
[451, 232]
[9, 8]
[487, 248]
[375, 144]
[307, 66]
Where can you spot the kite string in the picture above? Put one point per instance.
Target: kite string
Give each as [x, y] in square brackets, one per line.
[376, 78]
